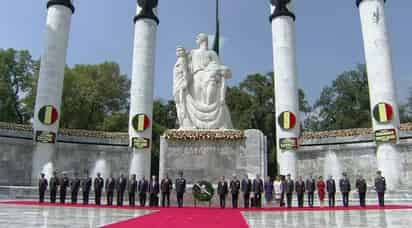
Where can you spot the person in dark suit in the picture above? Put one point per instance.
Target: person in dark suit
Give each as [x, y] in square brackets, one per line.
[42, 187]
[246, 189]
[331, 189]
[362, 189]
[289, 189]
[64, 184]
[380, 187]
[154, 192]
[86, 187]
[132, 190]
[109, 188]
[54, 185]
[98, 187]
[310, 189]
[166, 186]
[345, 188]
[75, 187]
[222, 191]
[180, 189]
[258, 190]
[282, 190]
[120, 189]
[142, 188]
[234, 189]
[300, 191]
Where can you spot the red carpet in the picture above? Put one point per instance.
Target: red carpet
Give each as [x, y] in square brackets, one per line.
[197, 217]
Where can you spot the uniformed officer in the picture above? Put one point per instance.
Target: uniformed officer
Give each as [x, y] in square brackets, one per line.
[42, 187]
[180, 189]
[109, 187]
[86, 187]
[64, 184]
[142, 188]
[362, 189]
[98, 187]
[234, 189]
[120, 189]
[345, 188]
[75, 187]
[289, 189]
[154, 192]
[54, 184]
[166, 187]
[132, 190]
[300, 191]
[310, 189]
[246, 189]
[258, 190]
[380, 187]
[222, 190]
[331, 189]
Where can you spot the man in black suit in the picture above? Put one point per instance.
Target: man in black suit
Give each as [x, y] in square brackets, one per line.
[234, 189]
[362, 189]
[64, 184]
[289, 189]
[300, 191]
[109, 187]
[98, 187]
[345, 188]
[380, 187]
[154, 192]
[54, 184]
[42, 187]
[331, 189]
[222, 191]
[180, 186]
[132, 190]
[246, 189]
[166, 187]
[120, 189]
[142, 188]
[75, 187]
[310, 188]
[258, 190]
[86, 187]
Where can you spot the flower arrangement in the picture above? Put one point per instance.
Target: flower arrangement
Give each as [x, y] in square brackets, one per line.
[212, 135]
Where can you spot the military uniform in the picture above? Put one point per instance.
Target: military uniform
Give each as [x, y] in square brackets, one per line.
[132, 191]
[98, 187]
[42, 188]
[289, 189]
[222, 190]
[86, 187]
[362, 189]
[258, 190]
[110, 186]
[120, 189]
[331, 189]
[75, 187]
[300, 191]
[64, 183]
[345, 188]
[380, 186]
[166, 187]
[54, 184]
[180, 190]
[234, 189]
[246, 189]
[310, 188]
[142, 188]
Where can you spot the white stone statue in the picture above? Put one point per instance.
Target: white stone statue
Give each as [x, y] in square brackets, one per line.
[199, 88]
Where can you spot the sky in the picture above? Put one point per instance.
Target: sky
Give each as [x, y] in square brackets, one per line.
[329, 39]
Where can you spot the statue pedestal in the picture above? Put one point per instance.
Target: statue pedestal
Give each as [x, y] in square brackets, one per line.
[209, 154]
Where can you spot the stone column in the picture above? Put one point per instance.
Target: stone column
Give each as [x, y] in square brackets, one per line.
[50, 85]
[286, 87]
[383, 100]
[141, 100]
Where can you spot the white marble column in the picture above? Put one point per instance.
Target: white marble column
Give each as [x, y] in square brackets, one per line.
[141, 100]
[50, 83]
[381, 83]
[286, 83]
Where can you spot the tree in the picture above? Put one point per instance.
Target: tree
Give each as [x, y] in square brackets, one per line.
[344, 104]
[16, 73]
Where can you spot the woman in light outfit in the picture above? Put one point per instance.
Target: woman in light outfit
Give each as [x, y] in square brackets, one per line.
[277, 184]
